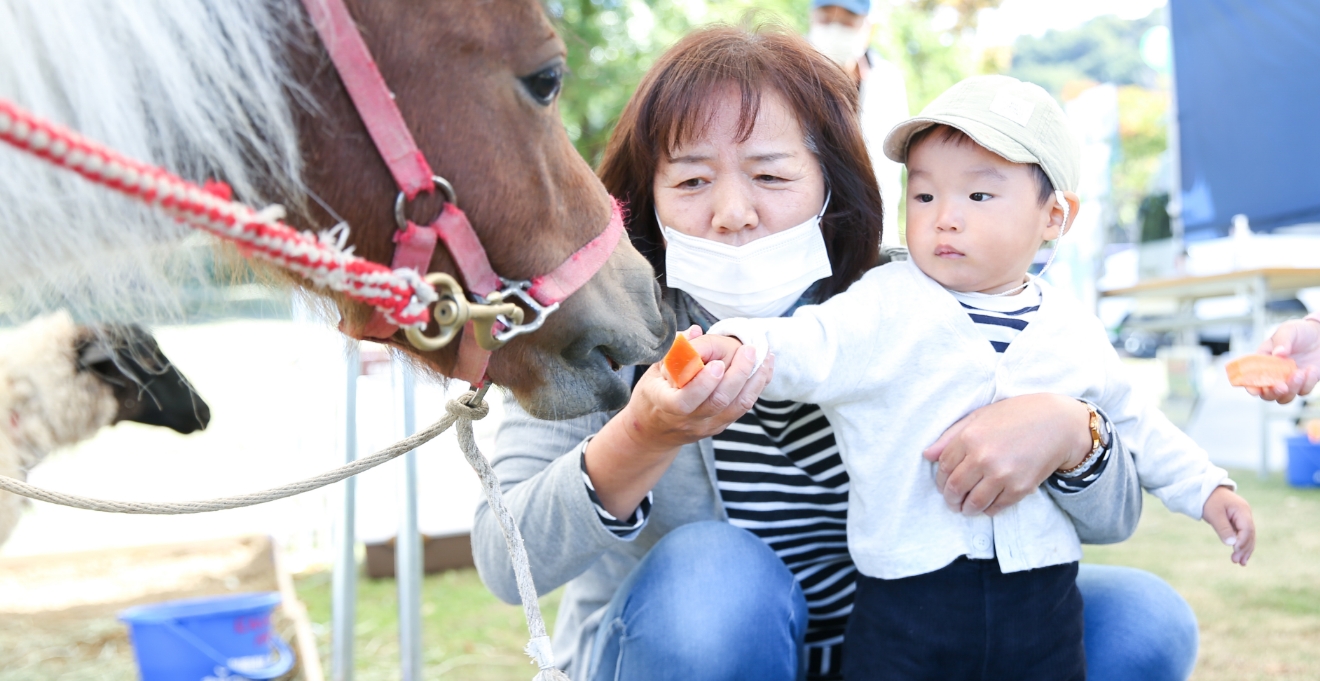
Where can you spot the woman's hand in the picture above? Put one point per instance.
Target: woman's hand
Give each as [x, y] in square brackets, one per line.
[1299, 340]
[630, 454]
[661, 416]
[997, 455]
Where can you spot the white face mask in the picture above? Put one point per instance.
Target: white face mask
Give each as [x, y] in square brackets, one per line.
[759, 279]
[841, 43]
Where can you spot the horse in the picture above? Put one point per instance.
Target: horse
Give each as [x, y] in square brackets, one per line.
[244, 91]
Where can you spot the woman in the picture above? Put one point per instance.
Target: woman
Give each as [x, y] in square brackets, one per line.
[699, 531]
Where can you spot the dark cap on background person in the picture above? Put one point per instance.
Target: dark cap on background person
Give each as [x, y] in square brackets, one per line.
[858, 7]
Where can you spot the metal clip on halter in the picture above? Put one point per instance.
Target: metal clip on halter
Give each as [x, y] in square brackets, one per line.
[453, 311]
[520, 289]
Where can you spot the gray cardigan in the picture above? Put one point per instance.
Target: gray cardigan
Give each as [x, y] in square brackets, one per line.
[538, 463]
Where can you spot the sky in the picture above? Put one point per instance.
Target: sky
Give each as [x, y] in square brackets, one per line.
[1033, 17]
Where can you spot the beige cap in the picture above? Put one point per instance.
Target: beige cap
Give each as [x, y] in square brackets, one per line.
[1019, 121]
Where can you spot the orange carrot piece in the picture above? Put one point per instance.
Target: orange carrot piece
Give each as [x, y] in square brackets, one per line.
[1259, 371]
[682, 362]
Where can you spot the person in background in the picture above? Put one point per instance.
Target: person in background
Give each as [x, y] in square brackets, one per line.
[841, 30]
[1298, 339]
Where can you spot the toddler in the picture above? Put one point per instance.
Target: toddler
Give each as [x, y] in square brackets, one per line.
[992, 168]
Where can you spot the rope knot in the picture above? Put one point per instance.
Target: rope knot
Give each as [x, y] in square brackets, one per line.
[473, 412]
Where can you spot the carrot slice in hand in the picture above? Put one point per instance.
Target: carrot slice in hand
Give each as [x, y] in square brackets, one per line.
[1259, 371]
[682, 362]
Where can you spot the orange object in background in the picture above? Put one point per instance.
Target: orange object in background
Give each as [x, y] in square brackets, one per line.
[1259, 371]
[682, 362]
[1313, 431]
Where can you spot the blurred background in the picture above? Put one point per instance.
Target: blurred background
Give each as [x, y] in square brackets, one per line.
[1200, 231]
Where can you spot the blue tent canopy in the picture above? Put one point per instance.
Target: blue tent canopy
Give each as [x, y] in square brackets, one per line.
[1248, 87]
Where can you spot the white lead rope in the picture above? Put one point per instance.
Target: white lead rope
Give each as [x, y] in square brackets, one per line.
[458, 411]
[394, 451]
[539, 645]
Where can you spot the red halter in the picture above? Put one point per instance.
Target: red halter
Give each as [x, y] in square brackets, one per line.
[414, 244]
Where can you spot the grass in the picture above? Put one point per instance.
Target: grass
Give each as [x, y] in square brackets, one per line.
[1258, 622]
[467, 633]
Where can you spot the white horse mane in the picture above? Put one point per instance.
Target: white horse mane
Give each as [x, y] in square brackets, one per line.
[197, 86]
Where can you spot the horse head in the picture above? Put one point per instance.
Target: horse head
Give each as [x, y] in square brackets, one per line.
[477, 84]
[244, 92]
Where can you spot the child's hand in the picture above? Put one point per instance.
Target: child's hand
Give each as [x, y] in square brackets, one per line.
[1299, 340]
[713, 347]
[1230, 516]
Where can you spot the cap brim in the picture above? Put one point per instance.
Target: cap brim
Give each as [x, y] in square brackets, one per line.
[896, 142]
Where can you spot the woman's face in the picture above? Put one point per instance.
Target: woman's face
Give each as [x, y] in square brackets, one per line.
[718, 188]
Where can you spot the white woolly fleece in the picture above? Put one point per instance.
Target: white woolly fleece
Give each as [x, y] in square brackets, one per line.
[45, 402]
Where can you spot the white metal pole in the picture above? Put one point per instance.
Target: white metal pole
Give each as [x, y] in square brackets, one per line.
[1176, 227]
[344, 583]
[408, 547]
[1259, 299]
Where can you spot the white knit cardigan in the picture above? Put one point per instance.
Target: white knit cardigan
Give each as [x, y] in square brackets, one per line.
[895, 360]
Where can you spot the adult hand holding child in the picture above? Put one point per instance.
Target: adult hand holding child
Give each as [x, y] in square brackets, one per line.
[983, 467]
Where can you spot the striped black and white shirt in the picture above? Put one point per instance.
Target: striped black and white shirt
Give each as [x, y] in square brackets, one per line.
[781, 478]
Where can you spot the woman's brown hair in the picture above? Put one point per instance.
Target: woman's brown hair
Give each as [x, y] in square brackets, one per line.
[673, 105]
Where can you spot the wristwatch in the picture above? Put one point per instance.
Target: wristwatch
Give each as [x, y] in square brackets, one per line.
[1097, 446]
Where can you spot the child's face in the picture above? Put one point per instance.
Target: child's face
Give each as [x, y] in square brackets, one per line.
[974, 222]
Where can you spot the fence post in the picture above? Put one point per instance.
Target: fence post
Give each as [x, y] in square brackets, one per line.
[408, 545]
[344, 583]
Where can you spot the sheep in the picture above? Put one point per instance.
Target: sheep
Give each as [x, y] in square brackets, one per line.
[60, 383]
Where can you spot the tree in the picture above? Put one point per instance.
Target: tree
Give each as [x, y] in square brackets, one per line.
[1105, 49]
[611, 43]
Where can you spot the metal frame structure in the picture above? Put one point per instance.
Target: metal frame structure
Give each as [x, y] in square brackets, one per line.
[408, 544]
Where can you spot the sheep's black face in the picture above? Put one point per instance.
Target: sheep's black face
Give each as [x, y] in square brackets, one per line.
[147, 386]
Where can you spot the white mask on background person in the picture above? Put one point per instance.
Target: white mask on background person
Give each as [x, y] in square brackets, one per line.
[762, 278]
[839, 42]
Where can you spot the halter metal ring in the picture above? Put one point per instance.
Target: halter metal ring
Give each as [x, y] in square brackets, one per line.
[401, 201]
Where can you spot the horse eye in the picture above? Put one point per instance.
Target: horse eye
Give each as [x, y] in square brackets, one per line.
[544, 84]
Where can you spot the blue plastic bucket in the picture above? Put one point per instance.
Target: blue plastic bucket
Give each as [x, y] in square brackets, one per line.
[208, 639]
[1303, 462]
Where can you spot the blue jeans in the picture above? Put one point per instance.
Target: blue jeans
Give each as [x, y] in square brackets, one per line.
[711, 602]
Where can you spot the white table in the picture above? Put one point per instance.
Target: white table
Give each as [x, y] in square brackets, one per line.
[1258, 285]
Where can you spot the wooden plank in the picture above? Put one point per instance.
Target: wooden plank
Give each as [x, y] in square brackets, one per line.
[1277, 279]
